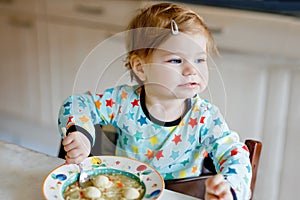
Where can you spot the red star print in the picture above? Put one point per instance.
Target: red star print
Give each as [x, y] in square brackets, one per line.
[222, 161]
[70, 119]
[177, 139]
[100, 95]
[202, 120]
[135, 102]
[234, 152]
[246, 148]
[221, 169]
[192, 122]
[110, 102]
[149, 154]
[159, 154]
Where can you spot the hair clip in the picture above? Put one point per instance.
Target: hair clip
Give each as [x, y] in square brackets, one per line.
[174, 27]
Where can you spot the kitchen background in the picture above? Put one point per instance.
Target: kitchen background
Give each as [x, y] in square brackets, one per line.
[46, 54]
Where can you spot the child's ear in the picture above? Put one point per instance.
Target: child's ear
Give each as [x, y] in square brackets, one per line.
[137, 65]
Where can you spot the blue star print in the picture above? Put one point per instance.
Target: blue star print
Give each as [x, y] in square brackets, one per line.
[142, 120]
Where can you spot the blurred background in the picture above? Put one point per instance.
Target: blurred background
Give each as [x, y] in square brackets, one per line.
[51, 49]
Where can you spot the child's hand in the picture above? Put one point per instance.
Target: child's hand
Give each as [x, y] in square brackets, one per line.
[217, 188]
[77, 147]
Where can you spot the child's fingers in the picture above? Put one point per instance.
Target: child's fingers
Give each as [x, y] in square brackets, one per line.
[70, 138]
[74, 153]
[217, 188]
[222, 189]
[70, 146]
[212, 182]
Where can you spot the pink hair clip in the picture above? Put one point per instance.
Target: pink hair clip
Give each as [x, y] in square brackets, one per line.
[174, 27]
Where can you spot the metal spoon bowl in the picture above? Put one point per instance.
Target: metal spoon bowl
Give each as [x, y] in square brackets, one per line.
[83, 176]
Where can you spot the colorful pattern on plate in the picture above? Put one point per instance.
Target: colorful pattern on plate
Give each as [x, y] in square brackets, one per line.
[64, 175]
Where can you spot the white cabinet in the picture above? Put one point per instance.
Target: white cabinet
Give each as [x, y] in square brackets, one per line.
[68, 46]
[81, 36]
[19, 78]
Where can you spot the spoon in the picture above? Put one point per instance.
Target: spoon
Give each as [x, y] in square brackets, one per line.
[83, 175]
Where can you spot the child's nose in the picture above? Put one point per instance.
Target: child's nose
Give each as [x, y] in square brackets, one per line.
[189, 69]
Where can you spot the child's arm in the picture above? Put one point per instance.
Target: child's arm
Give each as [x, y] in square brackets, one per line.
[230, 156]
[77, 118]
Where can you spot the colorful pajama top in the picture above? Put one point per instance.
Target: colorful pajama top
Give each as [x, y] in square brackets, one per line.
[176, 151]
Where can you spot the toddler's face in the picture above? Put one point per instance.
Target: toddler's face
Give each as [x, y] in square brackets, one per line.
[178, 67]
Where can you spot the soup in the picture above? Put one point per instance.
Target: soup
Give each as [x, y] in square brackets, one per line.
[107, 186]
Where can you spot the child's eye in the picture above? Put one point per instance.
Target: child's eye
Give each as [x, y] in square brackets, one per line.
[200, 60]
[175, 61]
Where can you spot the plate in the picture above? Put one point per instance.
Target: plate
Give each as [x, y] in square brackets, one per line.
[59, 178]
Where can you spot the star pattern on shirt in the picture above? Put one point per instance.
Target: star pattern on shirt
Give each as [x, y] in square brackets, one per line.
[235, 161]
[231, 171]
[248, 168]
[130, 115]
[125, 140]
[194, 169]
[181, 123]
[149, 154]
[67, 104]
[193, 122]
[93, 115]
[182, 173]
[177, 139]
[120, 110]
[196, 108]
[234, 152]
[138, 135]
[159, 155]
[202, 120]
[174, 155]
[70, 119]
[135, 102]
[142, 120]
[98, 104]
[125, 128]
[218, 122]
[84, 119]
[124, 95]
[110, 103]
[111, 116]
[246, 179]
[191, 139]
[169, 176]
[135, 149]
[67, 111]
[185, 162]
[153, 140]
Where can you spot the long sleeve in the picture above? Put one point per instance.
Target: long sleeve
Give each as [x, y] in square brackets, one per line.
[230, 156]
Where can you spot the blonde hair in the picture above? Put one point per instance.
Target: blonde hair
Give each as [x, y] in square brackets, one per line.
[148, 29]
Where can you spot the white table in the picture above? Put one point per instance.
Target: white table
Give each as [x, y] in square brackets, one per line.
[22, 172]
